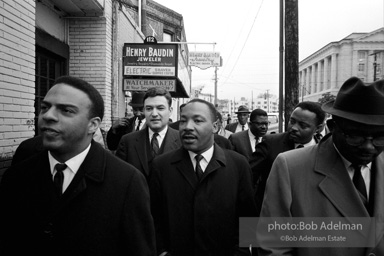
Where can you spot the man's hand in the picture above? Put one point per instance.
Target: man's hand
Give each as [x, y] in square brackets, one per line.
[119, 123]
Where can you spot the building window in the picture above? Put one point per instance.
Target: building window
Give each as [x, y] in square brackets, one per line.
[361, 67]
[49, 66]
[361, 56]
[167, 37]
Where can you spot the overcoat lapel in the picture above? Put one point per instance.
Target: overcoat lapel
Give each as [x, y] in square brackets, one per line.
[170, 140]
[185, 167]
[378, 207]
[245, 141]
[337, 186]
[92, 168]
[218, 159]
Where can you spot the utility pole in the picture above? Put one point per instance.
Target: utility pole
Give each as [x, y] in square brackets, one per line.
[375, 64]
[281, 66]
[216, 105]
[291, 36]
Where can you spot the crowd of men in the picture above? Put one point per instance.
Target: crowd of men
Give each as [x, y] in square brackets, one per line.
[179, 188]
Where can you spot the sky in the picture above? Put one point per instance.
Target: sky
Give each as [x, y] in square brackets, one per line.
[246, 34]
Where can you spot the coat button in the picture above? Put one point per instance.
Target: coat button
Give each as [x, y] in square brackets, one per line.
[48, 230]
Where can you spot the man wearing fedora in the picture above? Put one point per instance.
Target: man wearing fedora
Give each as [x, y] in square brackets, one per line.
[126, 125]
[342, 176]
[242, 124]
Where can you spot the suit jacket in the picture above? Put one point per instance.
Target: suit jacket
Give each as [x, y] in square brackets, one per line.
[232, 127]
[200, 218]
[113, 139]
[313, 182]
[262, 159]
[134, 148]
[104, 211]
[241, 144]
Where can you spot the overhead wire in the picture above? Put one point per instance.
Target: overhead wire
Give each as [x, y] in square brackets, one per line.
[245, 42]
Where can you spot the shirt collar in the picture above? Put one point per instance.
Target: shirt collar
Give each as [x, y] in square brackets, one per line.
[346, 163]
[73, 164]
[161, 133]
[251, 136]
[310, 143]
[208, 154]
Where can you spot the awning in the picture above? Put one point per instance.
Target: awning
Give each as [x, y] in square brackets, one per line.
[180, 90]
[81, 8]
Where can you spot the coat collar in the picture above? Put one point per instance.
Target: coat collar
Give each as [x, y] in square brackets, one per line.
[184, 165]
[337, 186]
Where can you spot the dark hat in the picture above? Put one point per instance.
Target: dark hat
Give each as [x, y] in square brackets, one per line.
[243, 109]
[137, 100]
[359, 102]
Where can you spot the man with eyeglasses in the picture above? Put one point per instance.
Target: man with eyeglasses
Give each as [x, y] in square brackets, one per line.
[306, 120]
[245, 142]
[342, 176]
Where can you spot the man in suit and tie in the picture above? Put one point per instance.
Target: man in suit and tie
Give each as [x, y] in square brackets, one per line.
[305, 121]
[245, 142]
[74, 197]
[342, 176]
[242, 124]
[140, 148]
[198, 192]
[127, 125]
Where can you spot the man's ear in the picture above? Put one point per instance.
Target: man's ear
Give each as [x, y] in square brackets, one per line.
[94, 123]
[215, 127]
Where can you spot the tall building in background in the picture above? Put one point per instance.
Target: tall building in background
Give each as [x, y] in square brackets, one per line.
[359, 54]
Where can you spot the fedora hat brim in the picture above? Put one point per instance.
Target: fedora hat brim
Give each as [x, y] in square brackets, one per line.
[360, 118]
[135, 105]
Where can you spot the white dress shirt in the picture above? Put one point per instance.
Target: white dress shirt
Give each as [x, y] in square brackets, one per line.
[239, 127]
[207, 156]
[73, 166]
[365, 171]
[254, 140]
[161, 136]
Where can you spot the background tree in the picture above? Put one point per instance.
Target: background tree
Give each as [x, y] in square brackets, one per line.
[325, 97]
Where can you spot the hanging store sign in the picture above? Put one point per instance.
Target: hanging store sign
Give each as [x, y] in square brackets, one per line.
[145, 84]
[204, 60]
[158, 60]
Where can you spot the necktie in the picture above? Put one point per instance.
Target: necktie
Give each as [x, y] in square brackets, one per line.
[155, 145]
[59, 178]
[318, 136]
[199, 171]
[300, 146]
[242, 127]
[138, 125]
[257, 141]
[358, 181]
